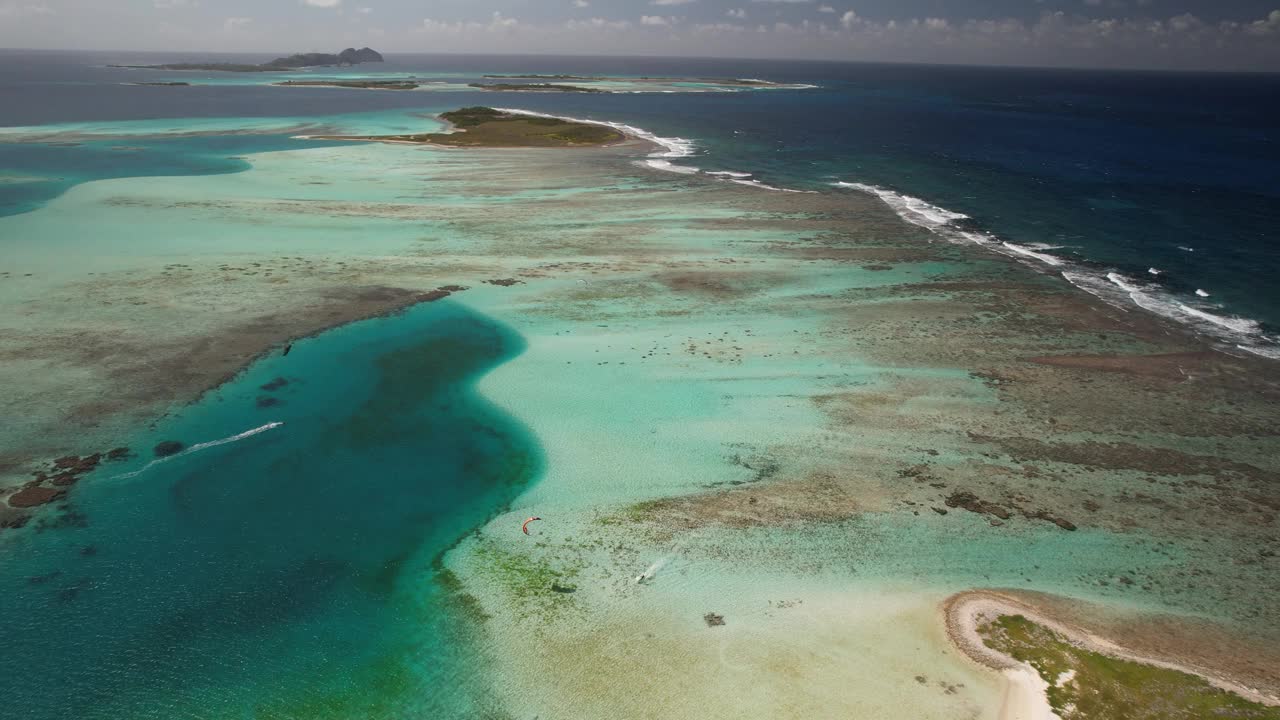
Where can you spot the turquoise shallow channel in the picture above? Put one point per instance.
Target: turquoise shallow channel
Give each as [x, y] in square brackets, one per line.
[269, 576]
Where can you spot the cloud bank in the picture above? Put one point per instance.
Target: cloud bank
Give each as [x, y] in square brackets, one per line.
[1108, 33]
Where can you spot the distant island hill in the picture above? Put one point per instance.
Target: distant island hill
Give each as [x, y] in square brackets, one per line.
[350, 56]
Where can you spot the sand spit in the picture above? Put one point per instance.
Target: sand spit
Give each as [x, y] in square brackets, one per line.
[965, 612]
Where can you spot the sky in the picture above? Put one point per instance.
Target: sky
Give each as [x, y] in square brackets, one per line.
[1165, 34]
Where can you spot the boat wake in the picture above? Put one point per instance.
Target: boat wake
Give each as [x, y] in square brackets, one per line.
[198, 447]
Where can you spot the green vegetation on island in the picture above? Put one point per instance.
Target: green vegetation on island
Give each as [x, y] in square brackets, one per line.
[1086, 685]
[742, 82]
[535, 76]
[350, 56]
[358, 84]
[533, 87]
[486, 127]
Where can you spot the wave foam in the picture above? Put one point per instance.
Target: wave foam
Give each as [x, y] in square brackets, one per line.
[669, 166]
[673, 147]
[912, 209]
[1111, 287]
[1027, 251]
[762, 186]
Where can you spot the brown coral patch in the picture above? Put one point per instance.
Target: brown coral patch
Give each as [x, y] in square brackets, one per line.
[34, 495]
[1166, 366]
[820, 498]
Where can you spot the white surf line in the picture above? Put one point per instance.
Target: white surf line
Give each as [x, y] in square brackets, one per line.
[674, 147]
[198, 447]
[1111, 287]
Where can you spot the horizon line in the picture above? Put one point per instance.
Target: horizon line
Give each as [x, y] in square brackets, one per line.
[839, 61]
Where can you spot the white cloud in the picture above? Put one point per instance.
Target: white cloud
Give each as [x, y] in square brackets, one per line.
[596, 23]
[499, 21]
[654, 20]
[322, 3]
[849, 19]
[738, 13]
[1266, 26]
[173, 4]
[788, 2]
[581, 3]
[233, 24]
[718, 28]
[16, 10]
[671, 2]
[826, 9]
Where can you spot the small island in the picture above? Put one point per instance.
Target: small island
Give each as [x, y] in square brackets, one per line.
[533, 87]
[356, 84]
[738, 82]
[535, 76]
[350, 56]
[1060, 670]
[487, 127]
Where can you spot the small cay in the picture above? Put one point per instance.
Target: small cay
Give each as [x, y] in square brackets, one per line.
[487, 127]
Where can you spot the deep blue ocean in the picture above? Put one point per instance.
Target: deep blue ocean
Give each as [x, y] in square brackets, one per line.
[298, 544]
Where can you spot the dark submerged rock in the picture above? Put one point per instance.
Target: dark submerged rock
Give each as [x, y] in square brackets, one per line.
[275, 384]
[713, 620]
[971, 502]
[34, 495]
[167, 448]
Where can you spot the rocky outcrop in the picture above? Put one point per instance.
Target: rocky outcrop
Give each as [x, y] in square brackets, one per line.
[34, 495]
[972, 503]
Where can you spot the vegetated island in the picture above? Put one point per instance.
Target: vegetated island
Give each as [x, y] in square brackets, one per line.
[744, 82]
[535, 76]
[1085, 678]
[533, 87]
[358, 84]
[486, 127]
[350, 56]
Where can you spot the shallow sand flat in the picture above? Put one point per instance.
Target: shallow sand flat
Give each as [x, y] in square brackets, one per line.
[757, 397]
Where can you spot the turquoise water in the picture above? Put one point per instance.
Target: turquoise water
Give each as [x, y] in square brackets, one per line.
[288, 573]
[62, 166]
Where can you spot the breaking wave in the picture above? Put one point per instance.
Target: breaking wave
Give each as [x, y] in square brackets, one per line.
[672, 148]
[1110, 286]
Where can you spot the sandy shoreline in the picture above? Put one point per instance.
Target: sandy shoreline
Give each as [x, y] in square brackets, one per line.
[965, 612]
